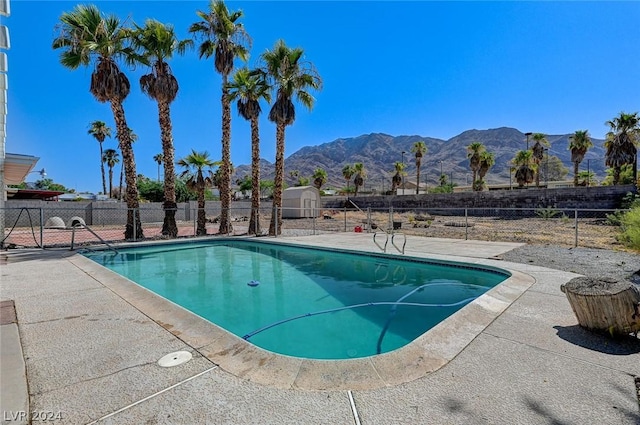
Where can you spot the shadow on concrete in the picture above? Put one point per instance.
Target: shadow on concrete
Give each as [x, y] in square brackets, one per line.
[540, 410]
[619, 346]
[18, 255]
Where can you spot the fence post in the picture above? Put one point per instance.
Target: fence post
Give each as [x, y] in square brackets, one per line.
[390, 225]
[466, 225]
[345, 218]
[576, 226]
[41, 228]
[315, 213]
[195, 222]
[368, 219]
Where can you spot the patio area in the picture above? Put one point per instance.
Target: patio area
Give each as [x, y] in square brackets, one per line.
[90, 343]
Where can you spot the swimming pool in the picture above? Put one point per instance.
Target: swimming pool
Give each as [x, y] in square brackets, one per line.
[302, 302]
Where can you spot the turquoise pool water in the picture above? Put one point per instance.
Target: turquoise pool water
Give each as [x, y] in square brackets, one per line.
[303, 302]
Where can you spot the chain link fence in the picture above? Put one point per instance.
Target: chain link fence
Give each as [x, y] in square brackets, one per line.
[75, 226]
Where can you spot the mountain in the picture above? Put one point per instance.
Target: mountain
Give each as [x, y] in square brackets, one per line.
[378, 152]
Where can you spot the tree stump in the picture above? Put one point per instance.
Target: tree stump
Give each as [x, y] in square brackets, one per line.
[605, 304]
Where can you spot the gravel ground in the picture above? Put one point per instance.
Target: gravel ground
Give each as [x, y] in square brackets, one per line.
[590, 262]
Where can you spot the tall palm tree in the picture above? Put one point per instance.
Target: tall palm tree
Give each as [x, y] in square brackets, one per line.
[487, 160]
[134, 138]
[538, 153]
[474, 150]
[621, 144]
[396, 180]
[419, 149]
[524, 167]
[198, 172]
[155, 43]
[347, 173]
[100, 131]
[158, 158]
[579, 144]
[248, 87]
[360, 175]
[291, 78]
[110, 157]
[319, 177]
[224, 38]
[86, 37]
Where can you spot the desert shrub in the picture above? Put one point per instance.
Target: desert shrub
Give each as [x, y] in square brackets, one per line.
[630, 228]
[547, 213]
[629, 201]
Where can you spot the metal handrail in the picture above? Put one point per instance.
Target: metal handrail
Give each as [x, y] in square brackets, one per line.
[393, 235]
[73, 236]
[383, 248]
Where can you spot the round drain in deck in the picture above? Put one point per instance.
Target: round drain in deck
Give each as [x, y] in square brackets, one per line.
[175, 359]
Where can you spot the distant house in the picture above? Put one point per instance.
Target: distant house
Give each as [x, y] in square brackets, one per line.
[409, 188]
[84, 196]
[301, 202]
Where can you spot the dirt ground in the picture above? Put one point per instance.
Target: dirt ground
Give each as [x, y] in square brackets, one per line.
[561, 231]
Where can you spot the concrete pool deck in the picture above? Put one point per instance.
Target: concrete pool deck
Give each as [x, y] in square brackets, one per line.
[91, 354]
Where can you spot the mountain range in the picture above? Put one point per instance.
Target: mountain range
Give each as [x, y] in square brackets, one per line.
[378, 152]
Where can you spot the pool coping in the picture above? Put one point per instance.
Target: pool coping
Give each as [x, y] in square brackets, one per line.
[426, 354]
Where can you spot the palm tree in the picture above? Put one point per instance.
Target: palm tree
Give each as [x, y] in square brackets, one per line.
[158, 158]
[290, 77]
[100, 131]
[474, 150]
[347, 173]
[110, 157]
[134, 138]
[199, 175]
[525, 170]
[419, 149]
[579, 144]
[396, 180]
[319, 177]
[248, 87]
[225, 39]
[156, 43]
[86, 36]
[360, 175]
[487, 160]
[538, 153]
[621, 144]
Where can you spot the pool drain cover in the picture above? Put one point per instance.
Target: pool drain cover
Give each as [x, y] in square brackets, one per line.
[175, 359]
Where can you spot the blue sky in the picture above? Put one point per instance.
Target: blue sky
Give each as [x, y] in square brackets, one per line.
[402, 68]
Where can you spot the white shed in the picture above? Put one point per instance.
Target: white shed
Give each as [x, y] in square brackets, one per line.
[301, 202]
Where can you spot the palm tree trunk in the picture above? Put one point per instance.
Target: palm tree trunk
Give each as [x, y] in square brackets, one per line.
[129, 163]
[121, 177]
[418, 164]
[169, 226]
[225, 189]
[104, 183]
[254, 221]
[635, 168]
[110, 181]
[616, 175]
[576, 166]
[202, 215]
[277, 181]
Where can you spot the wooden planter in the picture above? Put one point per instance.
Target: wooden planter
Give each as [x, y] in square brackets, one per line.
[605, 305]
